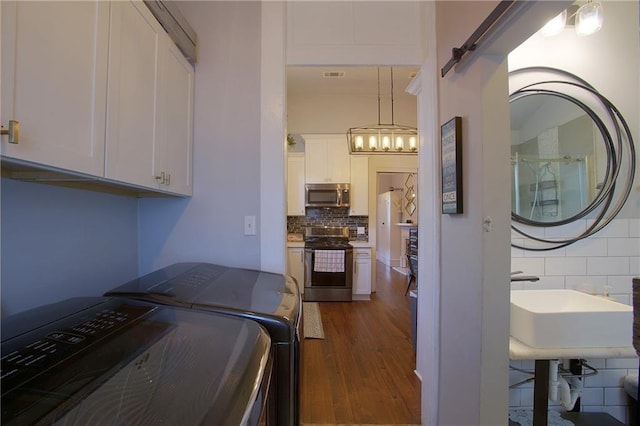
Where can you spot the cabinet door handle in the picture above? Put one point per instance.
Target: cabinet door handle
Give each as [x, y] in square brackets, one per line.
[13, 132]
[162, 179]
[301, 256]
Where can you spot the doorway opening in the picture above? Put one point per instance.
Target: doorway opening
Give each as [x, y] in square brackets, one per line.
[396, 210]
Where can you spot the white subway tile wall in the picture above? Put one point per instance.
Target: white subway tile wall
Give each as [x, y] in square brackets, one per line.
[608, 260]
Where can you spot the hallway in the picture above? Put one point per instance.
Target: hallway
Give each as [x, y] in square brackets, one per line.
[363, 371]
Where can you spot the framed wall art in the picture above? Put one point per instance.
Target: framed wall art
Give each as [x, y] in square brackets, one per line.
[451, 152]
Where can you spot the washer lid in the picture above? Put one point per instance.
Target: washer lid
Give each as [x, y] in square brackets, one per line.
[118, 361]
[272, 299]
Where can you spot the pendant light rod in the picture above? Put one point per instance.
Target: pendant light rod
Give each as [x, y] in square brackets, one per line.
[378, 96]
[392, 120]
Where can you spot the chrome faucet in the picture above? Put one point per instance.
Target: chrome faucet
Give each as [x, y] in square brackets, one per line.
[515, 276]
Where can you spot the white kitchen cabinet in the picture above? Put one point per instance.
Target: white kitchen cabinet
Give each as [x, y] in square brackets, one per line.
[150, 104]
[175, 112]
[54, 82]
[132, 127]
[101, 93]
[326, 159]
[295, 184]
[361, 273]
[295, 265]
[359, 186]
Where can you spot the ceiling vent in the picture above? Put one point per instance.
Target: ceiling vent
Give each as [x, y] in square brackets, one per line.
[333, 74]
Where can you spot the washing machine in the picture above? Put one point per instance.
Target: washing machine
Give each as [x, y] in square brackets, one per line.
[272, 300]
[113, 361]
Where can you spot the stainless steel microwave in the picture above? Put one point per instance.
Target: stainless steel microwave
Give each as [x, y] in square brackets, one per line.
[327, 195]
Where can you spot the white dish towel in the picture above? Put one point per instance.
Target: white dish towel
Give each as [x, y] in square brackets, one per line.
[328, 261]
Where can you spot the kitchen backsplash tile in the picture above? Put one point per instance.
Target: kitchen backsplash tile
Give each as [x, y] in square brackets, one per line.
[330, 217]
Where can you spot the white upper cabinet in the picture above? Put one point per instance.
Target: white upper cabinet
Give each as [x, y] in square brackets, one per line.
[295, 184]
[99, 89]
[175, 112]
[54, 79]
[150, 104]
[359, 186]
[131, 110]
[326, 159]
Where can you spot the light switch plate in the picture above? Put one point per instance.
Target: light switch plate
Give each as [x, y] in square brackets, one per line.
[249, 225]
[360, 230]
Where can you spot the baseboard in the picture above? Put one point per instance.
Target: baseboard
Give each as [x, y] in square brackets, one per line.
[360, 297]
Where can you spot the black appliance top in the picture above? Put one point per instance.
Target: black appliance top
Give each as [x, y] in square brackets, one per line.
[328, 244]
[271, 299]
[116, 361]
[327, 238]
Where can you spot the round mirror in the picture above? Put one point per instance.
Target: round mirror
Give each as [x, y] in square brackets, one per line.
[558, 159]
[572, 156]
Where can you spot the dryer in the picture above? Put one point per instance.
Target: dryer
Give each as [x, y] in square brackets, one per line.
[273, 300]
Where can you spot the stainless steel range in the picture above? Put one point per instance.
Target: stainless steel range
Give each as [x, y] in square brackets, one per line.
[328, 265]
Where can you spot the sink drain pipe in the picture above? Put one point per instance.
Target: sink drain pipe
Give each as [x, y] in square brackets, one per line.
[568, 393]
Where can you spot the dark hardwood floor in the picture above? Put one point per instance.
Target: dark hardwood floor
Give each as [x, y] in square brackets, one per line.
[363, 371]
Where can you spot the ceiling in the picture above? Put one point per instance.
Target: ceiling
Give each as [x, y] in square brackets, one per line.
[350, 81]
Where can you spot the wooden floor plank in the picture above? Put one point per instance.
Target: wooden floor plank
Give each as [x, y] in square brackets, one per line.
[362, 372]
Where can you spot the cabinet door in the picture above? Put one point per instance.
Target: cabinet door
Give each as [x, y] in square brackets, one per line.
[175, 112]
[362, 271]
[338, 164]
[54, 80]
[131, 103]
[295, 265]
[315, 160]
[359, 186]
[295, 185]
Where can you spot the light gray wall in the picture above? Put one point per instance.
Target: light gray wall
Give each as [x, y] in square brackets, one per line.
[469, 327]
[209, 226]
[61, 242]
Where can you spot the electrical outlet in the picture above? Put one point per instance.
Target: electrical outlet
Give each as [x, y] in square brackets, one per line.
[360, 230]
[249, 225]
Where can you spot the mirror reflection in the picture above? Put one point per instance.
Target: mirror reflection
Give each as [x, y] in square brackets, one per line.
[558, 159]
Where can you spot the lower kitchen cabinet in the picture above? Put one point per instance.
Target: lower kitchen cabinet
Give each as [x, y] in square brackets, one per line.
[295, 265]
[361, 273]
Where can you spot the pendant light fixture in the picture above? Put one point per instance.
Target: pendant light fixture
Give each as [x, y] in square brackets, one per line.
[383, 138]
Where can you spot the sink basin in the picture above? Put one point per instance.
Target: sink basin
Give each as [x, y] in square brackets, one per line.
[569, 319]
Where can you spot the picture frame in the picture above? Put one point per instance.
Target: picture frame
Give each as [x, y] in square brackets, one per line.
[451, 164]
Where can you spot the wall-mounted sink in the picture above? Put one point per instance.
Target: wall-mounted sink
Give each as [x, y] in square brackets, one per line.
[569, 319]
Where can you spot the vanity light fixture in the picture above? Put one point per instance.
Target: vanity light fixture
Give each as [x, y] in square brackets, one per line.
[383, 138]
[586, 19]
[589, 18]
[556, 25]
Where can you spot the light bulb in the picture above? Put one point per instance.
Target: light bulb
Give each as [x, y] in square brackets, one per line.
[589, 18]
[556, 25]
[386, 143]
[412, 143]
[373, 143]
[359, 143]
[399, 143]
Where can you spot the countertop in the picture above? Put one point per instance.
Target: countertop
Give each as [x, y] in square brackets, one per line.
[519, 350]
[407, 225]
